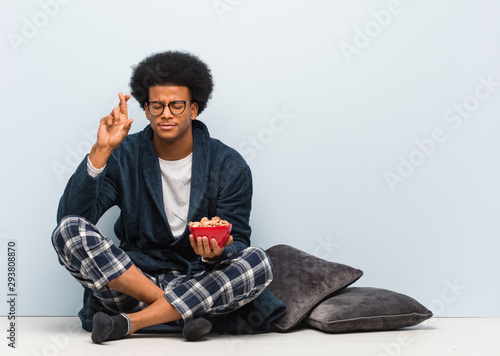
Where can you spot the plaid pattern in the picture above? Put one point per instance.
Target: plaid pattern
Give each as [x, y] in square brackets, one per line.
[90, 257]
[94, 260]
[233, 282]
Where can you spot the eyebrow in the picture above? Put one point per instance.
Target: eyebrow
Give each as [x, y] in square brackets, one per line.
[162, 102]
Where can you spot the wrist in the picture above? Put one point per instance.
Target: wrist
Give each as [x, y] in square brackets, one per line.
[98, 156]
[210, 260]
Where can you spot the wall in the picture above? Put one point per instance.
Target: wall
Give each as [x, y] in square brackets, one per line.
[370, 127]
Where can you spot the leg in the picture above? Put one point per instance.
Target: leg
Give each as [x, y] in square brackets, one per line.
[90, 257]
[233, 283]
[102, 267]
[135, 284]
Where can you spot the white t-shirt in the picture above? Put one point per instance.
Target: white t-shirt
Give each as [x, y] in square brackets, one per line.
[176, 185]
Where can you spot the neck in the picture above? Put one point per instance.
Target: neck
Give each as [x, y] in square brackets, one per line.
[173, 150]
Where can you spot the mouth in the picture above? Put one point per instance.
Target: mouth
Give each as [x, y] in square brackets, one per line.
[165, 126]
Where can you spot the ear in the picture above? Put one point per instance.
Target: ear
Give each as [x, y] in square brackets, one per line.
[194, 111]
[146, 111]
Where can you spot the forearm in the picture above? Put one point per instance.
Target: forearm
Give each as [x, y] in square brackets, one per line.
[84, 195]
[99, 156]
[234, 205]
[89, 194]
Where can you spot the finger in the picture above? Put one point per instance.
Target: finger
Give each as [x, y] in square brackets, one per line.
[123, 103]
[117, 117]
[215, 247]
[206, 245]
[229, 241]
[107, 120]
[128, 125]
[193, 244]
[199, 244]
[126, 128]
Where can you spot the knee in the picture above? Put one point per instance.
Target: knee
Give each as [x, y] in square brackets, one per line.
[259, 259]
[67, 228]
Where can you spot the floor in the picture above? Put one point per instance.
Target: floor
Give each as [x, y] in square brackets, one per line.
[56, 336]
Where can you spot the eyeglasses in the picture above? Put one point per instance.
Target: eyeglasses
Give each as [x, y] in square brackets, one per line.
[176, 107]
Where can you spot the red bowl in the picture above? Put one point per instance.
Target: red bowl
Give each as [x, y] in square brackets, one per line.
[219, 233]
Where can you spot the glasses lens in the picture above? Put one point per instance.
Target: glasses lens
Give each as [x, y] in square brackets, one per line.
[177, 107]
[156, 108]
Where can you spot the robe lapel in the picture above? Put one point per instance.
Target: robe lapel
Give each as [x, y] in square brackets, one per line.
[200, 167]
[152, 175]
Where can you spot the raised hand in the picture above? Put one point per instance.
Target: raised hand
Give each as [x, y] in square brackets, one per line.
[112, 130]
[114, 127]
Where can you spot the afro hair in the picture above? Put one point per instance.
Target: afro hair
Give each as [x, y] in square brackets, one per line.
[172, 68]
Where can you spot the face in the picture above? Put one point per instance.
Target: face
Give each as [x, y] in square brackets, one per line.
[168, 127]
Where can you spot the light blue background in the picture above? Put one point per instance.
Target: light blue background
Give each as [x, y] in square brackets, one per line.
[320, 179]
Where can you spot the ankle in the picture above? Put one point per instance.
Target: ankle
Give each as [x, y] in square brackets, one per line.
[106, 327]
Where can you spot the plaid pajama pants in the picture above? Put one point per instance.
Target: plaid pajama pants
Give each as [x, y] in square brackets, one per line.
[94, 260]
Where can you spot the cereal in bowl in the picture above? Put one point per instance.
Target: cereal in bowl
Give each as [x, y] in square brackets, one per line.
[205, 222]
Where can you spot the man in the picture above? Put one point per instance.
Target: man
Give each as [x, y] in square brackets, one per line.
[169, 173]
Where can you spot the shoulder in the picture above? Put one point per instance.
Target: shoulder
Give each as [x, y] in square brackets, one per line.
[218, 150]
[231, 164]
[222, 160]
[227, 154]
[220, 153]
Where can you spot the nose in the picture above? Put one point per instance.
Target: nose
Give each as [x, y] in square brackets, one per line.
[167, 114]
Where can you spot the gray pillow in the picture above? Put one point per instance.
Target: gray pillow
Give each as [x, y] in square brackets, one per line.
[367, 309]
[302, 281]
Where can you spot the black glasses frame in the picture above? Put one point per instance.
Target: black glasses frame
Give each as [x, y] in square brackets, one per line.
[169, 106]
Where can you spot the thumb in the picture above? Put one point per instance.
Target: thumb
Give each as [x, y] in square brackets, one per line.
[229, 241]
[128, 125]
